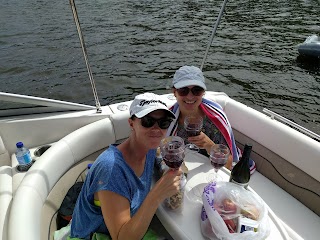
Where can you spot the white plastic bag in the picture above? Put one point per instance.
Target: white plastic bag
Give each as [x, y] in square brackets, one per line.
[229, 204]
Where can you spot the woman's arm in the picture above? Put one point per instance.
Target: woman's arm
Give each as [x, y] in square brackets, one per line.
[116, 208]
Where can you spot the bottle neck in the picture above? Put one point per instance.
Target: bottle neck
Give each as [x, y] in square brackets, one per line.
[246, 153]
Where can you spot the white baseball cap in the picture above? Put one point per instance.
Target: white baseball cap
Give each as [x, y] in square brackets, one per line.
[146, 103]
[189, 76]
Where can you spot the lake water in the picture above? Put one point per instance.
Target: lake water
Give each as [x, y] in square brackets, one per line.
[136, 46]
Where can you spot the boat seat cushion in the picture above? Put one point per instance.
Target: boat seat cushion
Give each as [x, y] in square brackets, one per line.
[5, 199]
[4, 154]
[48, 169]
[121, 125]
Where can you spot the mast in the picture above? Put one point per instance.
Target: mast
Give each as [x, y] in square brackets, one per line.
[85, 55]
[214, 32]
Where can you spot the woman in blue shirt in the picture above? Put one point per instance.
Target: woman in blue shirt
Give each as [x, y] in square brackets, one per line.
[116, 198]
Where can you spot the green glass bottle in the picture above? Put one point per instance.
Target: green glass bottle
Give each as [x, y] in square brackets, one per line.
[240, 173]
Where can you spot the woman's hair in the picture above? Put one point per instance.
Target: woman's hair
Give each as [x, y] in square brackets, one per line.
[133, 117]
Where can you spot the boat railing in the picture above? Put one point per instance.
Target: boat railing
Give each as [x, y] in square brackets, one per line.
[306, 131]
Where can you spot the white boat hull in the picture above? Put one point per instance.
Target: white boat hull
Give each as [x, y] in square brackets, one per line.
[77, 138]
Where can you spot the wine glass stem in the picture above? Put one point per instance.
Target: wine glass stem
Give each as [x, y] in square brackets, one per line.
[214, 176]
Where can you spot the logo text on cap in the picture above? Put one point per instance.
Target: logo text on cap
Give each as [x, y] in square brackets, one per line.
[144, 102]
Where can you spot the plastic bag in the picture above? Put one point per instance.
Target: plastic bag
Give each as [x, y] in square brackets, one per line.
[231, 212]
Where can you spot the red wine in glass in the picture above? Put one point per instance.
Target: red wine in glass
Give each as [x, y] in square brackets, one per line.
[193, 126]
[217, 165]
[172, 151]
[219, 154]
[173, 161]
[192, 130]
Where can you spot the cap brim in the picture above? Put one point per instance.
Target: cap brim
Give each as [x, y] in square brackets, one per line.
[187, 83]
[147, 111]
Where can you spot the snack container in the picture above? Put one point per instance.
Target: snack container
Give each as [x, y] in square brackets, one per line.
[175, 202]
[247, 224]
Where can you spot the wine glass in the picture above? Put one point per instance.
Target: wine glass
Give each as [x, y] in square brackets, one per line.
[172, 151]
[219, 154]
[193, 126]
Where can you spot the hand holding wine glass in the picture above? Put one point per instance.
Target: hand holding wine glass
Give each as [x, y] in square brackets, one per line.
[219, 154]
[193, 126]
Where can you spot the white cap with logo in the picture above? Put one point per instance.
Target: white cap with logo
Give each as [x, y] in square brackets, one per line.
[146, 103]
[189, 76]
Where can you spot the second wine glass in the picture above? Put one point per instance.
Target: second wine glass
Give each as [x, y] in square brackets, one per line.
[193, 126]
[219, 154]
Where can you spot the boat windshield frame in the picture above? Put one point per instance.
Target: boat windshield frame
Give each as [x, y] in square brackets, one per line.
[16, 104]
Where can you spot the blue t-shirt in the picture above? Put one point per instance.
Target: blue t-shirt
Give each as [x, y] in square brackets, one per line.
[109, 172]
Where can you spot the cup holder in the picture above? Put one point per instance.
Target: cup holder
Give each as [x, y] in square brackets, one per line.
[24, 168]
[40, 150]
[37, 153]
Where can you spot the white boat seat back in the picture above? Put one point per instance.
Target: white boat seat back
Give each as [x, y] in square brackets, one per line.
[5, 199]
[46, 172]
[4, 154]
[121, 125]
[219, 97]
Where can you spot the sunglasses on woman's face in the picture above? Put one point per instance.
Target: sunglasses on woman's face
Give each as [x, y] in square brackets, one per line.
[196, 91]
[148, 122]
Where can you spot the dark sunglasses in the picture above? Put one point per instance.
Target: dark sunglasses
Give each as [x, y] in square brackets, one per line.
[148, 122]
[196, 91]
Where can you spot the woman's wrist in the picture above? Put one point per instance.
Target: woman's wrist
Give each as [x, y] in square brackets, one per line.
[209, 146]
[155, 195]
